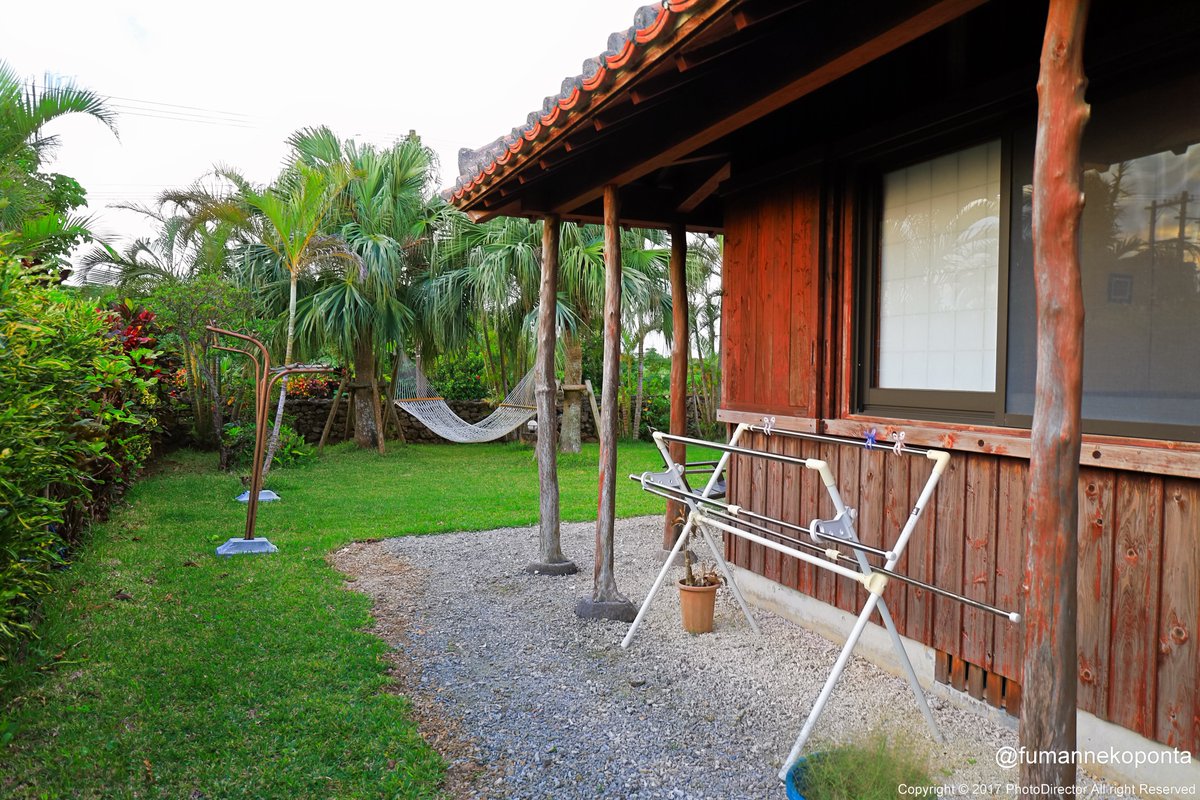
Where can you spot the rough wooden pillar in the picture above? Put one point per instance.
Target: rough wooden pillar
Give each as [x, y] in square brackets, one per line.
[680, 352]
[550, 560]
[1050, 658]
[606, 601]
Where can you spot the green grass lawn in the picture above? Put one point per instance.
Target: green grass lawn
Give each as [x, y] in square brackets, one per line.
[168, 672]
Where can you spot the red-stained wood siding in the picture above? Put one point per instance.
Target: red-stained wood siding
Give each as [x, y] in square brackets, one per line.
[1139, 568]
[1139, 545]
[1178, 713]
[770, 309]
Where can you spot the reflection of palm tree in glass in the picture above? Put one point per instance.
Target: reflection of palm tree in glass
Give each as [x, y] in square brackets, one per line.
[969, 240]
[1141, 350]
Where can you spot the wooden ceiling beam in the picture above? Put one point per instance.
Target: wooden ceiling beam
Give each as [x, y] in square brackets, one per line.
[746, 33]
[697, 158]
[705, 190]
[890, 36]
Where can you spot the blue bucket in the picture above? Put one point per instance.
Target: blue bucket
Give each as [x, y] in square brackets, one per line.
[795, 779]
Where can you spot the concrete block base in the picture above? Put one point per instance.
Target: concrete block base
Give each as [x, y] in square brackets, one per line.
[619, 610]
[551, 568]
[264, 496]
[240, 546]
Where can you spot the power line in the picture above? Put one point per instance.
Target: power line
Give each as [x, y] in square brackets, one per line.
[246, 117]
[153, 112]
[197, 121]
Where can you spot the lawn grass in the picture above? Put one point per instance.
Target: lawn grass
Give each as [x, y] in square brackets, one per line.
[169, 672]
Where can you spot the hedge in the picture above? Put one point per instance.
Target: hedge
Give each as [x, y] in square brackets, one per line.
[76, 419]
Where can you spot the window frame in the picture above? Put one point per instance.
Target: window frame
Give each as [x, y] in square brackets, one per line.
[950, 406]
[925, 404]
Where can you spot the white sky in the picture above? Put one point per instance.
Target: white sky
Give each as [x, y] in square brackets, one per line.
[241, 76]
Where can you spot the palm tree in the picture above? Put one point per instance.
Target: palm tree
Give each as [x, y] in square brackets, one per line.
[288, 223]
[36, 211]
[487, 275]
[361, 308]
[643, 285]
[650, 312]
[704, 313]
[483, 283]
[198, 232]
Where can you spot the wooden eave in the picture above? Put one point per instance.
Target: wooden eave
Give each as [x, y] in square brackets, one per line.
[661, 127]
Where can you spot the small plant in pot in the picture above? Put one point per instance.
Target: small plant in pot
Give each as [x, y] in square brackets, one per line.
[870, 769]
[697, 596]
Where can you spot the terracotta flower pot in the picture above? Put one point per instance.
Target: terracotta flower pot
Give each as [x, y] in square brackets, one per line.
[696, 604]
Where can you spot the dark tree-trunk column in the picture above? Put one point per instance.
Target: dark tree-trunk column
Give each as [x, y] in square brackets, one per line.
[550, 558]
[1050, 658]
[606, 601]
[679, 371]
[366, 432]
[570, 441]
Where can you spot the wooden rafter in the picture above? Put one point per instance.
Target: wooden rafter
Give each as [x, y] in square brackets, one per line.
[870, 48]
[755, 13]
[705, 190]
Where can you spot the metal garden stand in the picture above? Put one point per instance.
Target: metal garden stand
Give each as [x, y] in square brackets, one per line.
[265, 377]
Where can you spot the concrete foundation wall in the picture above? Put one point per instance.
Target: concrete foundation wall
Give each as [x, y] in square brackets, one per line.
[1094, 735]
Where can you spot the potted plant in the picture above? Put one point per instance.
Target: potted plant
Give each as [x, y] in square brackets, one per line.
[870, 769]
[697, 596]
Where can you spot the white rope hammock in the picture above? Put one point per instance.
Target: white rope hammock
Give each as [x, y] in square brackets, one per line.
[413, 393]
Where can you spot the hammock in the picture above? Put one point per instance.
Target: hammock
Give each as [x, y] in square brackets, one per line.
[413, 393]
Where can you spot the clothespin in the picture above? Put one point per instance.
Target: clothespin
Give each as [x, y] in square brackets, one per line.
[871, 438]
[768, 424]
[898, 436]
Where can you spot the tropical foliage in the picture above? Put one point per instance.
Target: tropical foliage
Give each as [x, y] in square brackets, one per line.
[77, 404]
[37, 208]
[215, 385]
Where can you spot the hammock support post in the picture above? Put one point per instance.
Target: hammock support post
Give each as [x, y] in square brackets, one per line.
[606, 600]
[680, 353]
[550, 559]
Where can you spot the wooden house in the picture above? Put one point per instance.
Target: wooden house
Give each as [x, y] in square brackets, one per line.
[870, 164]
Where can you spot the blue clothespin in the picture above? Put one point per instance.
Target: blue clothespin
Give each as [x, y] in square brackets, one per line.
[871, 438]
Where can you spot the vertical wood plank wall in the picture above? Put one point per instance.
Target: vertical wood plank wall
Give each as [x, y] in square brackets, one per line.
[1139, 546]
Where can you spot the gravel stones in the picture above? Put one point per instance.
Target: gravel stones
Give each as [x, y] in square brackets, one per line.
[550, 706]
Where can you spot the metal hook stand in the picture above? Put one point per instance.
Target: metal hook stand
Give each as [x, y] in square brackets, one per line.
[265, 378]
[826, 536]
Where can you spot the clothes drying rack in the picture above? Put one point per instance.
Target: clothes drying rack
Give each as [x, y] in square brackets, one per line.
[825, 547]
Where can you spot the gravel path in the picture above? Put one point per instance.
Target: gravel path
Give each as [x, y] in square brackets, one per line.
[527, 701]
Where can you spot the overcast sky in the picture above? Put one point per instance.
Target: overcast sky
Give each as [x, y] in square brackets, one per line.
[225, 82]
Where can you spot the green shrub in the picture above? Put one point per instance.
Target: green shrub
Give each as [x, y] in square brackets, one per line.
[460, 376]
[238, 437]
[869, 770]
[75, 428]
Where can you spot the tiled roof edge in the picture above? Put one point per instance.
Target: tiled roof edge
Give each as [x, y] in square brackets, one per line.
[478, 167]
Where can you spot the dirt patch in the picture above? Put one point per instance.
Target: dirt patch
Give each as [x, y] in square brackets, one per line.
[392, 584]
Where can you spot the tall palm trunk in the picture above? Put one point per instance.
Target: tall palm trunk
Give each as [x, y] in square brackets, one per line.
[367, 432]
[504, 383]
[487, 356]
[641, 374]
[196, 386]
[273, 443]
[570, 436]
